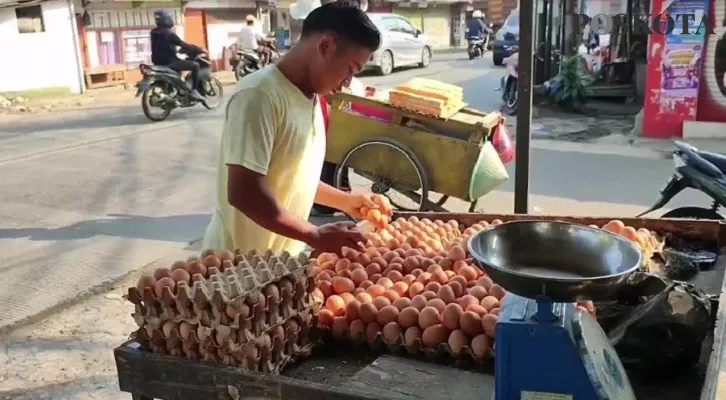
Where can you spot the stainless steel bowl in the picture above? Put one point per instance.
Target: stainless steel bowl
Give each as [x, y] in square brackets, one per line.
[565, 262]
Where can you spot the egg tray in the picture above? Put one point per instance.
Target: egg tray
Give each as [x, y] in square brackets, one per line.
[269, 352]
[442, 354]
[207, 300]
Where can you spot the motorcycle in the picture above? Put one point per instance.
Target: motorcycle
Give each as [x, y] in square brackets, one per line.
[701, 170]
[477, 46]
[164, 88]
[248, 61]
[510, 93]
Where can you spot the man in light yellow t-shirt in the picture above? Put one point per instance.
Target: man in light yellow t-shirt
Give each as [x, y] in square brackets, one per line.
[273, 143]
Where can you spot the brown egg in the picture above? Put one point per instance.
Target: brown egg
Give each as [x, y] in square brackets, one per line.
[364, 297]
[437, 304]
[372, 331]
[409, 279]
[162, 273]
[479, 292]
[336, 304]
[410, 264]
[419, 302]
[494, 311]
[161, 284]
[412, 337]
[489, 302]
[368, 313]
[357, 331]
[489, 325]
[327, 288]
[387, 314]
[380, 261]
[416, 272]
[466, 300]
[402, 303]
[386, 283]
[457, 341]
[196, 267]
[375, 290]
[408, 317]
[358, 276]
[480, 344]
[415, 289]
[446, 264]
[352, 310]
[440, 276]
[481, 311]
[451, 316]
[485, 282]
[323, 276]
[339, 328]
[434, 335]
[429, 316]
[373, 268]
[365, 284]
[457, 288]
[381, 301]
[446, 293]
[392, 332]
[401, 288]
[470, 322]
[469, 273]
[423, 277]
[457, 253]
[180, 275]
[432, 286]
[497, 291]
[374, 277]
[429, 295]
[325, 317]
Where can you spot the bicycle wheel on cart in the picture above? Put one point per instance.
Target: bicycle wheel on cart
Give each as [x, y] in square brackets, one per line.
[384, 166]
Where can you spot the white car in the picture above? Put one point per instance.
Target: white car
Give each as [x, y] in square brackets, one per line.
[401, 44]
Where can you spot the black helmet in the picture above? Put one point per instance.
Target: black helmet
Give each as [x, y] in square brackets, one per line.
[163, 19]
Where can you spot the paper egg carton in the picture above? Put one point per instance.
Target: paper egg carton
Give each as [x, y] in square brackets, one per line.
[206, 301]
[269, 352]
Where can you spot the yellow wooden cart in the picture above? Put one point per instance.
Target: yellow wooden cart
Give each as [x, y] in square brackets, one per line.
[412, 156]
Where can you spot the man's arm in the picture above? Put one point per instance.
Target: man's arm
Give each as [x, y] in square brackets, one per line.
[330, 196]
[186, 47]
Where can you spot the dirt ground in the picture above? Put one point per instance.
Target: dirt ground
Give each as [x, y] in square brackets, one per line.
[69, 355]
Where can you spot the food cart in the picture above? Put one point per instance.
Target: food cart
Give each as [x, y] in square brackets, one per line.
[409, 156]
[337, 371]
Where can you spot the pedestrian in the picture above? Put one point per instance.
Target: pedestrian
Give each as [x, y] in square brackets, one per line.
[273, 143]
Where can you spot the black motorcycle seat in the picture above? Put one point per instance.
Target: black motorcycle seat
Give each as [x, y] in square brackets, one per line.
[719, 160]
[251, 55]
[163, 69]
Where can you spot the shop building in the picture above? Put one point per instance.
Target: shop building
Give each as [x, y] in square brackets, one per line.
[442, 21]
[39, 46]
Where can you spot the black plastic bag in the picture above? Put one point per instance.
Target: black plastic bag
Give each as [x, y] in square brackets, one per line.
[662, 336]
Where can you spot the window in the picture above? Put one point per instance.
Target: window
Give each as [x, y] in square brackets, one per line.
[388, 25]
[30, 19]
[513, 20]
[137, 46]
[405, 26]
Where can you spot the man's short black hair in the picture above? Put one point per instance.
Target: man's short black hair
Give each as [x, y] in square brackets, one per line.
[347, 22]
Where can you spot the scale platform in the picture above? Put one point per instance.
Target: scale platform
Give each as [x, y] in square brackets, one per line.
[545, 348]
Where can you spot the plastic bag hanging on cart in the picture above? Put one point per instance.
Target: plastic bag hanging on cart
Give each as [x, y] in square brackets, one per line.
[502, 141]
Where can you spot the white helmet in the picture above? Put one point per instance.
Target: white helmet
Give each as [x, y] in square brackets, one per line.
[477, 14]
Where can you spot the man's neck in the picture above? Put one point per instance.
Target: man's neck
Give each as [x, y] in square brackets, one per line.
[295, 68]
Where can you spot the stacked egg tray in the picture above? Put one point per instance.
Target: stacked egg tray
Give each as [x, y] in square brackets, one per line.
[255, 315]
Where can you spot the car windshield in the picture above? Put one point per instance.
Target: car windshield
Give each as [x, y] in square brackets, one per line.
[513, 20]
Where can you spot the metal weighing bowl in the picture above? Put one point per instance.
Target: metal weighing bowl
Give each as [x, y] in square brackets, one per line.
[565, 262]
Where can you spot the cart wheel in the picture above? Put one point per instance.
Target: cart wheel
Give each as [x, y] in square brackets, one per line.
[472, 206]
[387, 167]
[441, 201]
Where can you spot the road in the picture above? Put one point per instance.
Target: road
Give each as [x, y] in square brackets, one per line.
[88, 196]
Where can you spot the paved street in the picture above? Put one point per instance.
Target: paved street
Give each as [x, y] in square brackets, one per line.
[91, 195]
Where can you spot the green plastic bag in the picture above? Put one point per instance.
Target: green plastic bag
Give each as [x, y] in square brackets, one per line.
[488, 174]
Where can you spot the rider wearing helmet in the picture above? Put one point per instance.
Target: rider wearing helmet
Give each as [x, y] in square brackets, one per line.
[251, 38]
[476, 28]
[164, 43]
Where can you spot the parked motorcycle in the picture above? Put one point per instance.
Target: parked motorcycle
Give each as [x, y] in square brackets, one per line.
[248, 61]
[701, 170]
[510, 93]
[165, 89]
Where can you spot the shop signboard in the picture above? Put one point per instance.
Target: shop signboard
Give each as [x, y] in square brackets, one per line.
[674, 69]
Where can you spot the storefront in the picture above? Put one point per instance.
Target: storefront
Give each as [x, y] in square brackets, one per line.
[115, 39]
[436, 20]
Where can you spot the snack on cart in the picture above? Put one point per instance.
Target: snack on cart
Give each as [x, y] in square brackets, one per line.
[430, 148]
[253, 311]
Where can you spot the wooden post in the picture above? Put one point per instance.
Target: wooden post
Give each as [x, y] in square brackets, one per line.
[524, 116]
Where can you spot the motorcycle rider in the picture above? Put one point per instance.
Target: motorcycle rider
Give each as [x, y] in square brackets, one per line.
[251, 38]
[164, 43]
[476, 28]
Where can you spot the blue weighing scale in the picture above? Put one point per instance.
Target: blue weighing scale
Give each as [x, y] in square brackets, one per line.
[545, 348]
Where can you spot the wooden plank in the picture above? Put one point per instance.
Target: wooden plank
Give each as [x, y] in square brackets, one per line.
[157, 376]
[693, 229]
[394, 378]
[714, 384]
